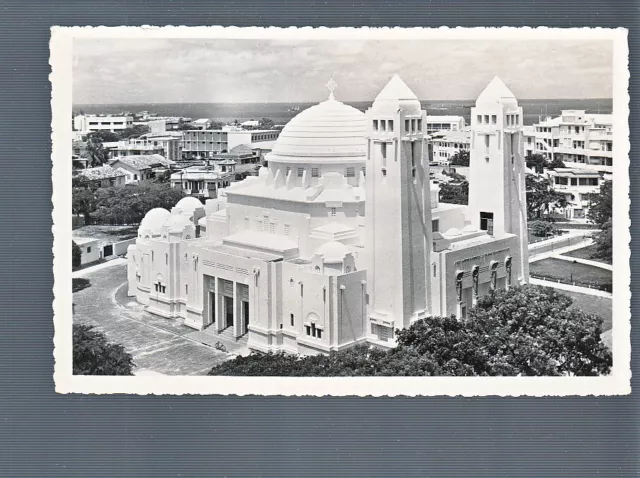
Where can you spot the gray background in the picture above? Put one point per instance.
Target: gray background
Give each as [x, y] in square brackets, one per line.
[44, 434]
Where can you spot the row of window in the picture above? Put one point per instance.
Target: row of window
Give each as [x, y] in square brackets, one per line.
[410, 125]
[576, 181]
[349, 172]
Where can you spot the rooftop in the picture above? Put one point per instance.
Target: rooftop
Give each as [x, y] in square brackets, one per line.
[100, 172]
[143, 161]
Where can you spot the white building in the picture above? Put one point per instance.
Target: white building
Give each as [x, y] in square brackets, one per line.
[444, 123]
[447, 143]
[578, 139]
[204, 181]
[140, 168]
[197, 144]
[577, 185]
[290, 260]
[113, 123]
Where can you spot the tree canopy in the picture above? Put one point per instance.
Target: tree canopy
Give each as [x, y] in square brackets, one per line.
[538, 163]
[526, 330]
[601, 205]
[133, 131]
[266, 123]
[76, 255]
[460, 158]
[128, 204]
[454, 193]
[541, 197]
[93, 354]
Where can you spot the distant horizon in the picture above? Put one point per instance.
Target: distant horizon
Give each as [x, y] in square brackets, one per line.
[314, 102]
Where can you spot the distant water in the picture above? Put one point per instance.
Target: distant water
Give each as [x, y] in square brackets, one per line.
[281, 113]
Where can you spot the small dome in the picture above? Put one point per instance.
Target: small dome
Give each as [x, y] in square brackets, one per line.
[333, 251]
[154, 220]
[177, 223]
[189, 204]
[453, 232]
[327, 132]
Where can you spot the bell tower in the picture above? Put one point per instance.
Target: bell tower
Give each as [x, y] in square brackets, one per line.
[497, 195]
[398, 212]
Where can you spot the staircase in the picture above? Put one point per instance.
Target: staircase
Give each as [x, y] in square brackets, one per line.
[227, 335]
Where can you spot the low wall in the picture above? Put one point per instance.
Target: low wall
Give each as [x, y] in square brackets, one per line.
[557, 243]
[120, 248]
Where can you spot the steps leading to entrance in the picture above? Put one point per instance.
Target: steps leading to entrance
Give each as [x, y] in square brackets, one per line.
[227, 334]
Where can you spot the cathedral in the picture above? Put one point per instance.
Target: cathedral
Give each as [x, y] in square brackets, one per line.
[342, 239]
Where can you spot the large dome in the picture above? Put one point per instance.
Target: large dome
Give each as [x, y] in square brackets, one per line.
[327, 132]
[154, 220]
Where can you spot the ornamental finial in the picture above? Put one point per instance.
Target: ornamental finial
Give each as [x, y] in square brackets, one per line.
[331, 85]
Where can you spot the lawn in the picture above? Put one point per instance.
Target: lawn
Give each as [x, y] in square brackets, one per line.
[591, 304]
[586, 253]
[571, 272]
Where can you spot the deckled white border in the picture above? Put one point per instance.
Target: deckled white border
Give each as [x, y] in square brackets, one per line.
[61, 78]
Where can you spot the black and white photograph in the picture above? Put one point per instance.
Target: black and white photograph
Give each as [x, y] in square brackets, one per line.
[341, 212]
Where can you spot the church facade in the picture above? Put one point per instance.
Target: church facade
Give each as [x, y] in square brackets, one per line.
[342, 238]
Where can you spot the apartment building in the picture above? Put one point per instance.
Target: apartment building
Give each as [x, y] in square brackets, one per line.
[577, 185]
[444, 123]
[447, 143]
[578, 139]
[200, 144]
[113, 123]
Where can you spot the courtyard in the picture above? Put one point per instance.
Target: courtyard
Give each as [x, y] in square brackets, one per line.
[158, 345]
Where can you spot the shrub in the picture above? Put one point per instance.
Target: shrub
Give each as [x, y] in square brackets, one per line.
[93, 354]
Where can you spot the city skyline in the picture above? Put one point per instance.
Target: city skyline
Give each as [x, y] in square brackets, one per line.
[117, 71]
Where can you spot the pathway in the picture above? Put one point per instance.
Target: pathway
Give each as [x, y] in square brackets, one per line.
[572, 288]
[158, 345]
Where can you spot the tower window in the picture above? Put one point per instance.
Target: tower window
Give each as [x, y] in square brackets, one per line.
[486, 222]
[383, 153]
[314, 172]
[479, 119]
[300, 172]
[494, 119]
[390, 125]
[435, 225]
[517, 118]
[383, 125]
[486, 140]
[486, 119]
[407, 124]
[413, 125]
[292, 320]
[350, 172]
[375, 125]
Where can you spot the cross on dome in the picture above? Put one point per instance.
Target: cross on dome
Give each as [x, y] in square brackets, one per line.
[331, 85]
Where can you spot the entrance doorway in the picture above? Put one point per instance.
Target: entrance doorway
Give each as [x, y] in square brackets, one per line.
[107, 251]
[212, 307]
[245, 316]
[228, 311]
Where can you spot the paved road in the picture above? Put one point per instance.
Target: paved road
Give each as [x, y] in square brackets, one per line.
[157, 344]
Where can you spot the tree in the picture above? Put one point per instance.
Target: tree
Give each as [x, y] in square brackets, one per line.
[95, 149]
[128, 204]
[604, 242]
[76, 255]
[216, 125]
[94, 355]
[461, 158]
[184, 126]
[134, 131]
[103, 136]
[163, 177]
[541, 197]
[556, 163]
[526, 330]
[266, 123]
[83, 201]
[541, 228]
[454, 193]
[601, 205]
[536, 162]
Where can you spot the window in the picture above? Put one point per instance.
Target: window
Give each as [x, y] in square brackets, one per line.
[383, 125]
[494, 119]
[517, 118]
[272, 227]
[384, 172]
[292, 319]
[407, 124]
[486, 119]
[434, 269]
[186, 289]
[301, 290]
[574, 181]
[435, 225]
[333, 212]
[479, 119]
[350, 172]
[486, 141]
[308, 329]
[300, 172]
[383, 153]
[319, 332]
[375, 125]
[390, 125]
[314, 172]
[287, 229]
[364, 171]
[135, 176]
[166, 259]
[88, 249]
[287, 172]
[486, 222]
[246, 223]
[317, 269]
[419, 125]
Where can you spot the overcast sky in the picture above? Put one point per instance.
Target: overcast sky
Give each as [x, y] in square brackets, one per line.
[172, 71]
